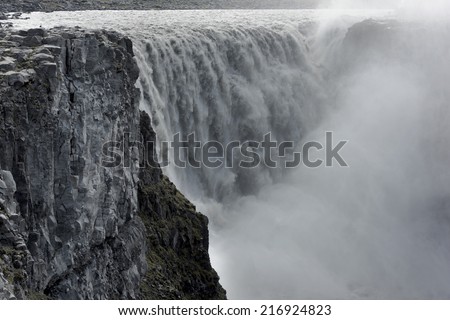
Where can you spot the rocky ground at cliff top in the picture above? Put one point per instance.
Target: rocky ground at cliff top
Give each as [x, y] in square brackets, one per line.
[63, 5]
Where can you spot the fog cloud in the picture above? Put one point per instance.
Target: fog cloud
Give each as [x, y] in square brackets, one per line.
[381, 228]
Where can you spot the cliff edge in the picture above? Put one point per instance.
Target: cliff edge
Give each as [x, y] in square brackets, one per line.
[70, 227]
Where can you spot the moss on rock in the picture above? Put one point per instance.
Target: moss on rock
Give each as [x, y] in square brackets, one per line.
[178, 261]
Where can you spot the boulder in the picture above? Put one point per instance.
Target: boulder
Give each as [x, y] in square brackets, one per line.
[19, 79]
[8, 64]
[37, 32]
[32, 41]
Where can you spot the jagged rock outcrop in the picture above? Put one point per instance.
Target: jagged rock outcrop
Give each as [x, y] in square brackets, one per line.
[15, 257]
[70, 227]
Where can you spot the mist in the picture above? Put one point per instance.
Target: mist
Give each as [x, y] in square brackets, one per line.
[379, 229]
[418, 9]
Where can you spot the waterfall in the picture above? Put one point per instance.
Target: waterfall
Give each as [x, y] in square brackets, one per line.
[226, 85]
[374, 230]
[379, 228]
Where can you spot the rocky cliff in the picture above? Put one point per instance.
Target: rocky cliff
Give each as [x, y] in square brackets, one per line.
[70, 227]
[177, 236]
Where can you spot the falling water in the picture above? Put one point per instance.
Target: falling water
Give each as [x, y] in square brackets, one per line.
[377, 229]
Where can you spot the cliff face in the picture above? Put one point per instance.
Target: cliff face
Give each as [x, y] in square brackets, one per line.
[64, 94]
[70, 227]
[177, 236]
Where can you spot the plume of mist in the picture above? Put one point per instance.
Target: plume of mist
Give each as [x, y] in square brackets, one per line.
[417, 9]
[380, 228]
[359, 4]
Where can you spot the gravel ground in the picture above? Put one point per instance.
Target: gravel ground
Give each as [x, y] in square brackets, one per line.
[66, 5]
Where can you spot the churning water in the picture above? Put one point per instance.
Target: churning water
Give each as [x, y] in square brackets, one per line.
[377, 229]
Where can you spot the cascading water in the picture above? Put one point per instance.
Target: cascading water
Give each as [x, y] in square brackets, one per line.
[234, 84]
[377, 229]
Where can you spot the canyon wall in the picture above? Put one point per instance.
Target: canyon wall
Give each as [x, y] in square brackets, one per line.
[70, 227]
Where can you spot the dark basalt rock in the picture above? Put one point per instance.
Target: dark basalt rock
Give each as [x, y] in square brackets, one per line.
[177, 237]
[71, 228]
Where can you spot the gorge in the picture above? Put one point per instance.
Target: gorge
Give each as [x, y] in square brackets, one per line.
[378, 229]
